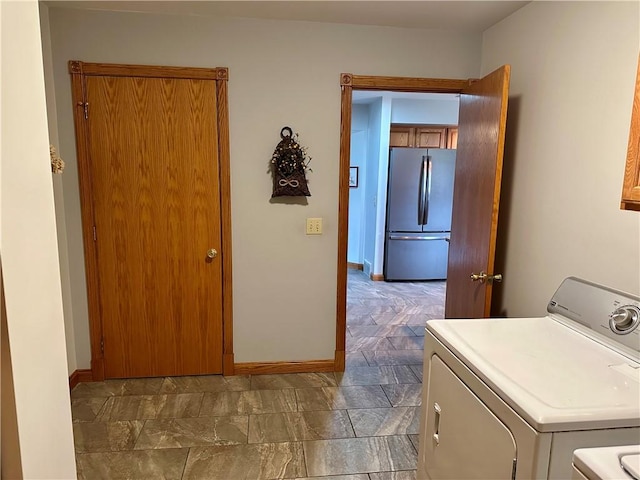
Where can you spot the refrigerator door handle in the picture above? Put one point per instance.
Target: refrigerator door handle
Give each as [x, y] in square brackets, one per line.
[427, 193]
[422, 191]
[417, 237]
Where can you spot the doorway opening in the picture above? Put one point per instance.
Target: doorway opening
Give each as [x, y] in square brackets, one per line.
[411, 124]
[483, 106]
[393, 135]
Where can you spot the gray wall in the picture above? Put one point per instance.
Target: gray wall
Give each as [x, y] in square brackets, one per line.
[281, 73]
[573, 71]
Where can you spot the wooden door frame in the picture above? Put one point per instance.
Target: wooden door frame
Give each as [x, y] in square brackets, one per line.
[348, 83]
[79, 70]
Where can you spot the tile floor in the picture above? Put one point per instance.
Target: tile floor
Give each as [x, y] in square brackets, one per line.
[358, 425]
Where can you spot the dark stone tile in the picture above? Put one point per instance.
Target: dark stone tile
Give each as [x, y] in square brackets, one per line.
[417, 370]
[376, 375]
[149, 464]
[297, 426]
[381, 331]
[86, 409]
[190, 432]
[359, 455]
[415, 440]
[418, 330]
[359, 476]
[375, 422]
[355, 359]
[106, 437]
[341, 398]
[258, 461]
[406, 343]
[249, 402]
[407, 395]
[292, 380]
[205, 383]
[353, 320]
[404, 475]
[134, 386]
[356, 344]
[394, 357]
[143, 407]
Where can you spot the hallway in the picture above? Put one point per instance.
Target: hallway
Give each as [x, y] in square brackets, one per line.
[358, 425]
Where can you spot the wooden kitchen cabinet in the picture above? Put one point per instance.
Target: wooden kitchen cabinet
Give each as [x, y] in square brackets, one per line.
[452, 138]
[402, 136]
[631, 184]
[430, 137]
[422, 136]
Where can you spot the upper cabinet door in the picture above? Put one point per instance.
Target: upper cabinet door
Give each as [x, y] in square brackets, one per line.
[402, 136]
[429, 137]
[631, 185]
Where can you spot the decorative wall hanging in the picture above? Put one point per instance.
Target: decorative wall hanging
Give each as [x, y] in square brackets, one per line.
[289, 164]
[353, 177]
[57, 164]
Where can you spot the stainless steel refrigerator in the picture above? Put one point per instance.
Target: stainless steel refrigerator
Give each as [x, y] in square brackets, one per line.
[419, 200]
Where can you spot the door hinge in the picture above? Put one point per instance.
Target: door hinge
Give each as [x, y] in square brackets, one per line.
[95, 235]
[513, 469]
[85, 107]
[102, 345]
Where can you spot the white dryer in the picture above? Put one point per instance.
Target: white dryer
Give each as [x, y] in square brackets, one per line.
[512, 398]
[607, 463]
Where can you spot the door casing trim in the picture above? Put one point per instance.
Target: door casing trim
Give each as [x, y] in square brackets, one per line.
[348, 83]
[79, 71]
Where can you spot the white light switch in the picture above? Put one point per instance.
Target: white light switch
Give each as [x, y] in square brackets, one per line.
[314, 226]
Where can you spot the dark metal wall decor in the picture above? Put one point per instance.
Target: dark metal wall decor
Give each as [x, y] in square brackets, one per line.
[289, 164]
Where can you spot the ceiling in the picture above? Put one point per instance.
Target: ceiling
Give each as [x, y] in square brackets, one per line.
[468, 16]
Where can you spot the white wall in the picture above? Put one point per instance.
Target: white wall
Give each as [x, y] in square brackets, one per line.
[281, 73]
[430, 112]
[358, 158]
[572, 83]
[30, 269]
[371, 185]
[58, 192]
[382, 164]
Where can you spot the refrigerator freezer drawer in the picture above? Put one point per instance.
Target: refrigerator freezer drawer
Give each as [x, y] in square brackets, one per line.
[416, 257]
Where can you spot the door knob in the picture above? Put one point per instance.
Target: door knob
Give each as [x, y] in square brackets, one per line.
[212, 253]
[483, 277]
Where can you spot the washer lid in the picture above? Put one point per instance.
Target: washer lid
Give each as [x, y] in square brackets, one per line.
[631, 464]
[606, 462]
[553, 376]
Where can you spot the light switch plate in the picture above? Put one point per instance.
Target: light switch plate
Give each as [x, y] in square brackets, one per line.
[314, 226]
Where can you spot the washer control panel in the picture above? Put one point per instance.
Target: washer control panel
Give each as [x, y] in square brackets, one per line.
[625, 319]
[609, 312]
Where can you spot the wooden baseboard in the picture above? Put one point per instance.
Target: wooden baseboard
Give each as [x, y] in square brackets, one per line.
[228, 365]
[259, 368]
[340, 361]
[355, 266]
[83, 375]
[377, 277]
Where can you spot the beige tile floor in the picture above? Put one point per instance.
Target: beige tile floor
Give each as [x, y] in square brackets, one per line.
[358, 425]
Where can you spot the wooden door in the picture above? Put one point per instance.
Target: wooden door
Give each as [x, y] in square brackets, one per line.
[152, 153]
[476, 198]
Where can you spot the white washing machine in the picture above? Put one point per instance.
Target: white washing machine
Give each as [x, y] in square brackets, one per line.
[513, 398]
[607, 463]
